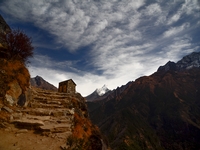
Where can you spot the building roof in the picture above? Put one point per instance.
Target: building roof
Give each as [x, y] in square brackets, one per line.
[68, 81]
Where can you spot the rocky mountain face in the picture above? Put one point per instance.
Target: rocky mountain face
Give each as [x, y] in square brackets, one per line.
[98, 94]
[187, 62]
[158, 112]
[39, 82]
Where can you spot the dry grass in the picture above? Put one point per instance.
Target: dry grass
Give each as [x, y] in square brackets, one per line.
[82, 128]
[14, 70]
[84, 131]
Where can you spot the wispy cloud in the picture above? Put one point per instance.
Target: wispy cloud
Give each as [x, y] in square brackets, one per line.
[180, 46]
[48, 63]
[74, 23]
[126, 39]
[175, 30]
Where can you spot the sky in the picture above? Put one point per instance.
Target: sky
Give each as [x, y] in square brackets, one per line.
[97, 42]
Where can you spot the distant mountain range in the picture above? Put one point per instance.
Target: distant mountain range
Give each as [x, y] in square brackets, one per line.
[39, 82]
[156, 112]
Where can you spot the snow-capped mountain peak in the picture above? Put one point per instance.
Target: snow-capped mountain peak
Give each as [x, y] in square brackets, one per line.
[98, 94]
[102, 91]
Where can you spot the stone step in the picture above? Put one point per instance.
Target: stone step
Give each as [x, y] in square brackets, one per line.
[46, 93]
[61, 119]
[28, 122]
[51, 97]
[56, 101]
[48, 119]
[42, 105]
[32, 117]
[46, 98]
[55, 128]
[49, 112]
[50, 100]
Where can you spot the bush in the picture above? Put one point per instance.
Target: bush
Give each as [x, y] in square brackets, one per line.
[16, 45]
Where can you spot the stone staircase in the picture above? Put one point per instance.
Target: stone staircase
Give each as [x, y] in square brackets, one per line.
[49, 113]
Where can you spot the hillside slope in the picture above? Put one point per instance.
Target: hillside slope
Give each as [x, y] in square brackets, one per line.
[158, 112]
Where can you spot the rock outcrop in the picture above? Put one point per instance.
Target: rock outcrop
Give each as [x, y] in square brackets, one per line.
[14, 81]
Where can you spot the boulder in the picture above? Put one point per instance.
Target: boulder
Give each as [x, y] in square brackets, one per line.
[9, 99]
[13, 93]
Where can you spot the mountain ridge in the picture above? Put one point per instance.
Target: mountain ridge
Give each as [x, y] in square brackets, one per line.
[157, 112]
[189, 61]
[39, 82]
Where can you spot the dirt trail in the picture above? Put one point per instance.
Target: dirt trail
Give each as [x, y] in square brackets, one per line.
[12, 139]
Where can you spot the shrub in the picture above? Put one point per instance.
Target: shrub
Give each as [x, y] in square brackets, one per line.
[16, 45]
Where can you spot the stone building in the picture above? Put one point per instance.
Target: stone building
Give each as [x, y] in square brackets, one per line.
[68, 86]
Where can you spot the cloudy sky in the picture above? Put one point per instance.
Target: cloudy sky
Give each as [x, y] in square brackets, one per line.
[97, 42]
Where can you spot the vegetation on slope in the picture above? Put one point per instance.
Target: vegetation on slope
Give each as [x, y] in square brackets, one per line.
[12, 73]
[16, 45]
[161, 111]
[15, 49]
[85, 135]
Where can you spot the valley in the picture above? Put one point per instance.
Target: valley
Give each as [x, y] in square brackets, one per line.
[157, 112]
